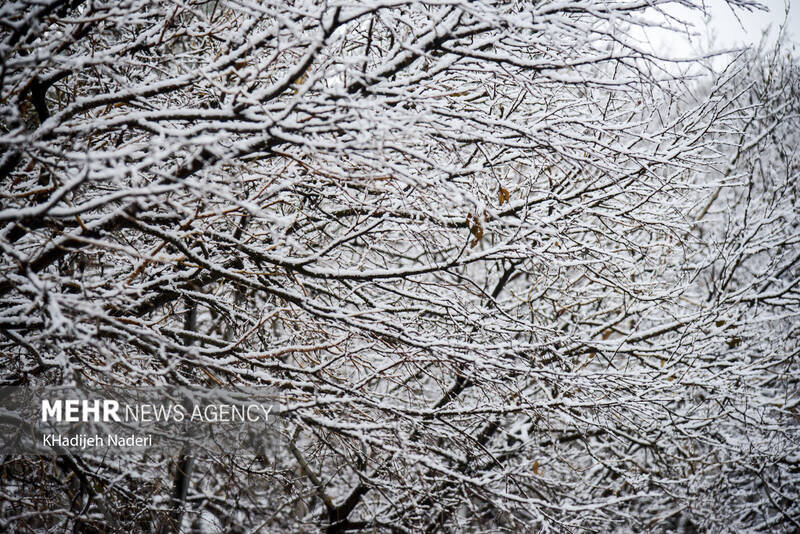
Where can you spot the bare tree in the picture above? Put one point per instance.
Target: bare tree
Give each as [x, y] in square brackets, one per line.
[509, 269]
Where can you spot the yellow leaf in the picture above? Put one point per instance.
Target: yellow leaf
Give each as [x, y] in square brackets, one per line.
[535, 467]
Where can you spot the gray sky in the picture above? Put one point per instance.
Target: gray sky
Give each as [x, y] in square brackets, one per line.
[722, 30]
[728, 31]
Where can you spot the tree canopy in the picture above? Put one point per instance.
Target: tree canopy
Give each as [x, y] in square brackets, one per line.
[508, 268]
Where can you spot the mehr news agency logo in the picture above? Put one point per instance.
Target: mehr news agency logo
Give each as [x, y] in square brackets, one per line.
[111, 411]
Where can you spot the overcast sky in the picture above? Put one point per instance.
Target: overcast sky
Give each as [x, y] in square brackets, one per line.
[749, 27]
[723, 30]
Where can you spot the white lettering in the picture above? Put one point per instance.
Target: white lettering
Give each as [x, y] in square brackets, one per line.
[110, 409]
[72, 410]
[51, 410]
[93, 409]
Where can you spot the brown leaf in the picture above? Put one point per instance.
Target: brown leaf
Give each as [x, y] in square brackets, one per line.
[502, 195]
[477, 231]
[475, 228]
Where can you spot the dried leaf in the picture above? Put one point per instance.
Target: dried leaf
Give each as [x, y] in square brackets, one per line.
[475, 228]
[477, 231]
[502, 195]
